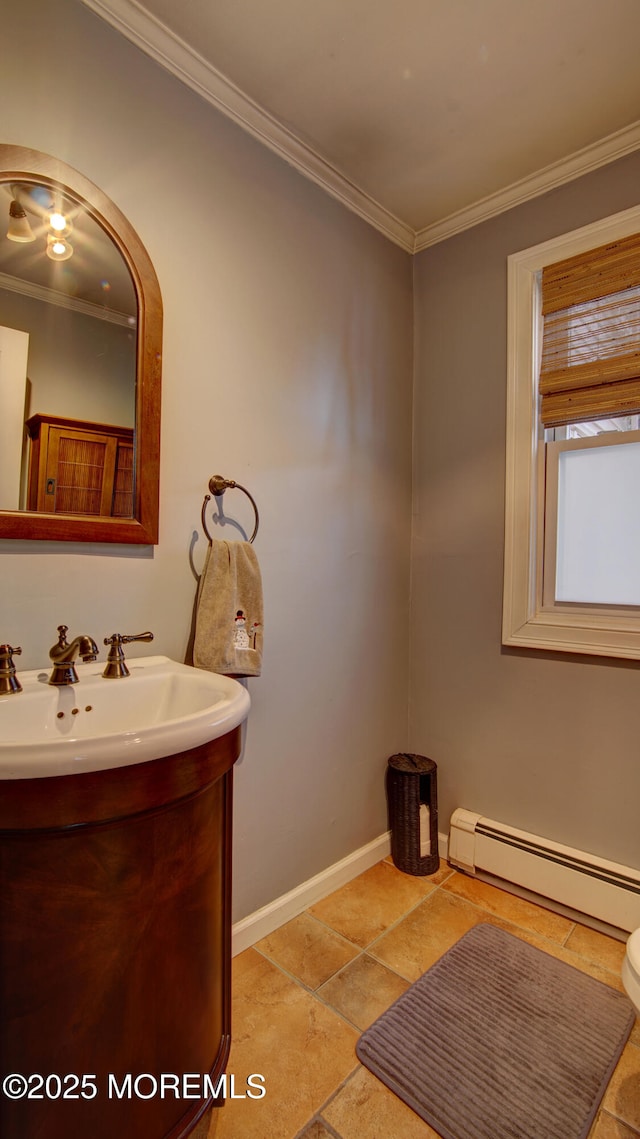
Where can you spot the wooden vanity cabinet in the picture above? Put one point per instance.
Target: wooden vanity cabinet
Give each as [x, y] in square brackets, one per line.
[80, 467]
[115, 945]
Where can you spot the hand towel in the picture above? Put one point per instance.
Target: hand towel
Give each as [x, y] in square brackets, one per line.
[229, 617]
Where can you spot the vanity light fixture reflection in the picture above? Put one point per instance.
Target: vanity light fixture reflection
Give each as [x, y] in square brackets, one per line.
[60, 224]
[19, 229]
[58, 249]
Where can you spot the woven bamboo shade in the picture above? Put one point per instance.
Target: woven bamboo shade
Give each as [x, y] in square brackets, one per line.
[591, 338]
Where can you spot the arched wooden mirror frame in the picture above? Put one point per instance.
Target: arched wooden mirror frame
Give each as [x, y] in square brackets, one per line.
[20, 164]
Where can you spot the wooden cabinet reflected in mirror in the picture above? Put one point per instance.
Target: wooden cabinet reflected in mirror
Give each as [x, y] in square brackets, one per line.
[80, 361]
[79, 467]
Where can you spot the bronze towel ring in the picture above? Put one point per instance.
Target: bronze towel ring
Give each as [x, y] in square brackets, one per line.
[217, 486]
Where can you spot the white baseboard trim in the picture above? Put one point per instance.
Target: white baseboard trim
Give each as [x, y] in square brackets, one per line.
[258, 924]
[262, 922]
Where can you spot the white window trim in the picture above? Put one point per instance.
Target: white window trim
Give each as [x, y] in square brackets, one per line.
[526, 623]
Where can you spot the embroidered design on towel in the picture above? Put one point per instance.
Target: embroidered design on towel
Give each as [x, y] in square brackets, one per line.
[241, 639]
[240, 636]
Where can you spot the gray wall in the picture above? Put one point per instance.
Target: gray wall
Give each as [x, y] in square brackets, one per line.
[79, 366]
[288, 367]
[546, 742]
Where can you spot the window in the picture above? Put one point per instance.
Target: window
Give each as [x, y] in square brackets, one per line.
[572, 532]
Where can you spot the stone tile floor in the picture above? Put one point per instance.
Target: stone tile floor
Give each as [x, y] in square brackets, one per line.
[302, 995]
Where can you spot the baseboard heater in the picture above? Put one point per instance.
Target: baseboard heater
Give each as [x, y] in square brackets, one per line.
[584, 882]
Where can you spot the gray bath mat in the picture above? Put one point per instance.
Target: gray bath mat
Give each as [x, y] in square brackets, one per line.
[500, 1041]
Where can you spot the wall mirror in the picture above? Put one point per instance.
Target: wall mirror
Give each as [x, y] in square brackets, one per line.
[80, 360]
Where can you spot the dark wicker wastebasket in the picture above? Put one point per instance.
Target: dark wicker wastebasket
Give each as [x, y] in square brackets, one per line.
[412, 780]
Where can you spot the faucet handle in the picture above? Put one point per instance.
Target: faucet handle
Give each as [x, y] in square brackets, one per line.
[136, 637]
[6, 651]
[8, 679]
[116, 666]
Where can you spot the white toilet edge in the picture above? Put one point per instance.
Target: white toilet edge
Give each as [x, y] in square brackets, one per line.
[631, 970]
[633, 951]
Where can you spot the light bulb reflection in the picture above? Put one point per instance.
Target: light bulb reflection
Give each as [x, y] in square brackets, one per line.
[58, 249]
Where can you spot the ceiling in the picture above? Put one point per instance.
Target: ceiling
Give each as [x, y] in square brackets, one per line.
[424, 116]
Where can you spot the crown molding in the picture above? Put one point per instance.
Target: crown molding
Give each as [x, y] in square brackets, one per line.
[157, 41]
[177, 57]
[583, 161]
[63, 300]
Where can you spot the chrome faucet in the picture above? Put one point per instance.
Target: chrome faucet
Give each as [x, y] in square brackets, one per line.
[64, 655]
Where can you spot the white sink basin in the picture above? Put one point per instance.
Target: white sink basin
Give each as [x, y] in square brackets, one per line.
[160, 709]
